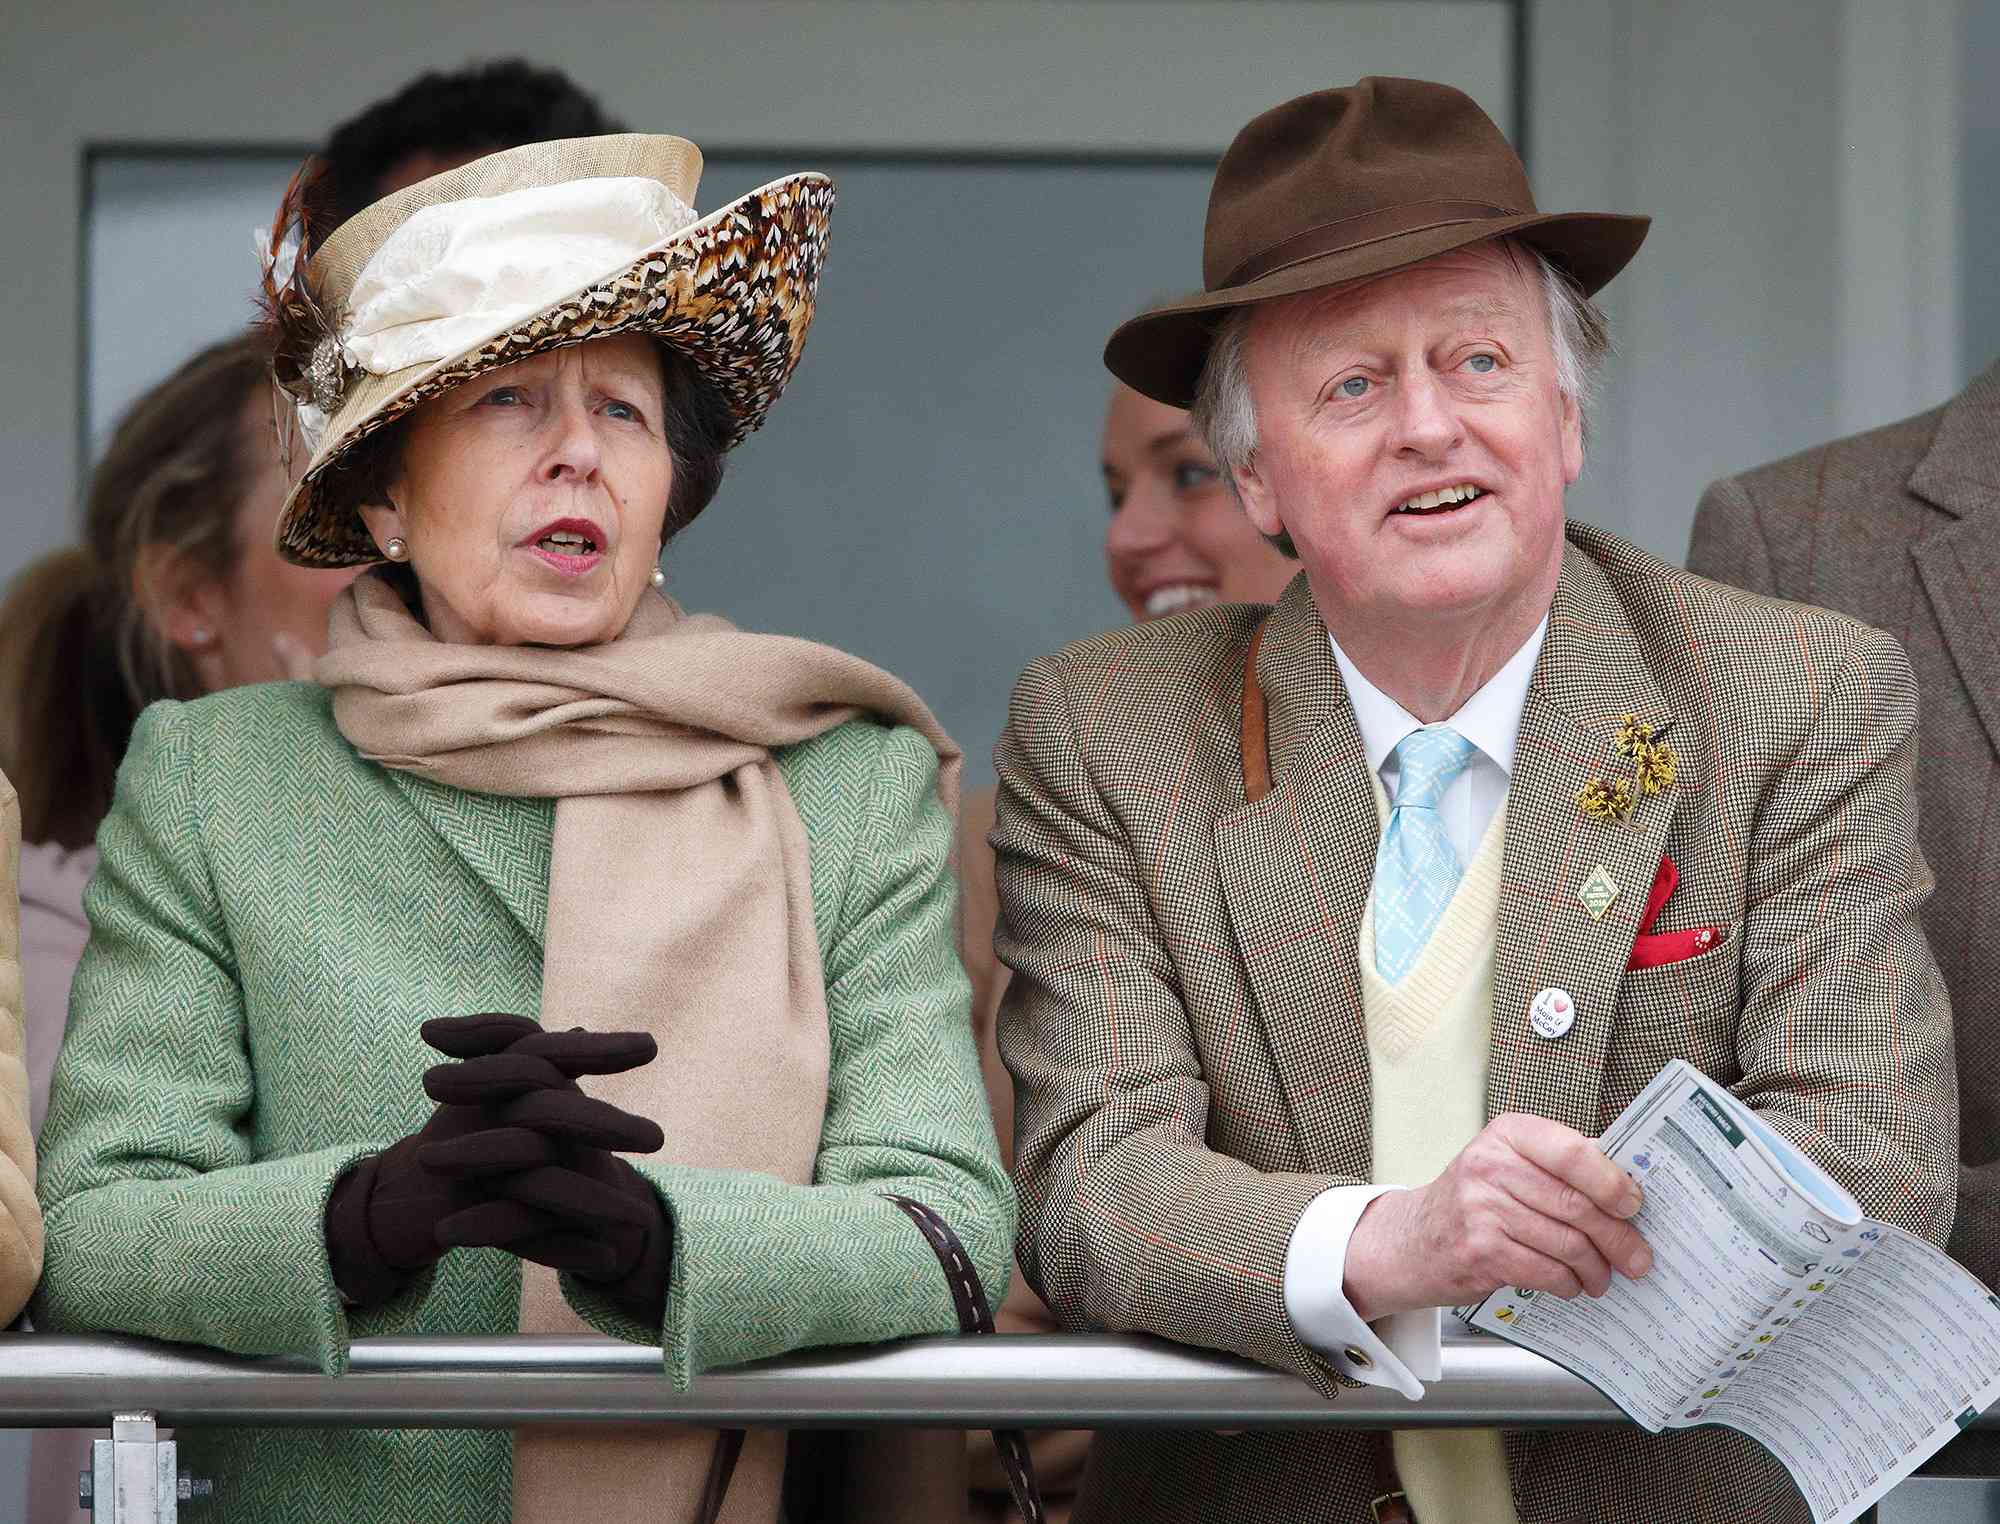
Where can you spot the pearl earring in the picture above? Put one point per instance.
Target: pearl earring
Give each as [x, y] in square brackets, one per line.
[200, 637]
[658, 578]
[397, 548]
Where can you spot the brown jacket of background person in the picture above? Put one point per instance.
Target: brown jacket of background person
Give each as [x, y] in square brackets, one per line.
[1900, 527]
[1059, 1454]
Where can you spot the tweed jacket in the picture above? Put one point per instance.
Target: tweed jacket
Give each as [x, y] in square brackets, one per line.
[20, 1219]
[1185, 1028]
[273, 917]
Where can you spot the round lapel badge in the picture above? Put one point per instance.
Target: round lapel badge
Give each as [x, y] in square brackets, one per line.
[1552, 1013]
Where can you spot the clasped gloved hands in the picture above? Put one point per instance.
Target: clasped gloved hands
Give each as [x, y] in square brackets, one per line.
[515, 1157]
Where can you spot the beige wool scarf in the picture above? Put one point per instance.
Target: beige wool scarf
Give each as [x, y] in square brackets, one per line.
[680, 904]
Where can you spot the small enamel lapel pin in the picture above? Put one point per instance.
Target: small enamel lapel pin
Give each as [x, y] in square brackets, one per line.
[1598, 892]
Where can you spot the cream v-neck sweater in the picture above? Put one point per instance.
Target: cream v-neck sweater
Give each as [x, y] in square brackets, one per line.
[1427, 1047]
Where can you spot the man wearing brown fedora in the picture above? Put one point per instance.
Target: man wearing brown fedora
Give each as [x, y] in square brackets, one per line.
[1900, 526]
[1341, 927]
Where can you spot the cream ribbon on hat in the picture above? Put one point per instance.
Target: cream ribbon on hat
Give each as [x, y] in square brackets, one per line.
[458, 274]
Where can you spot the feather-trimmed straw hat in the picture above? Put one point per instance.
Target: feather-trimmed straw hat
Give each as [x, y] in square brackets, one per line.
[1343, 184]
[529, 250]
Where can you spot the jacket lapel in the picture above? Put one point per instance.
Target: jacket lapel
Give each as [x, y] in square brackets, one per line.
[1296, 869]
[1589, 674]
[1961, 476]
[503, 842]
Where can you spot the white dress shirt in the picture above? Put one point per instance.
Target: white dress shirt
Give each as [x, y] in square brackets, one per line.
[1402, 1350]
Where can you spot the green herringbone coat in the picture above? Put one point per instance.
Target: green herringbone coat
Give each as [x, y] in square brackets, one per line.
[273, 918]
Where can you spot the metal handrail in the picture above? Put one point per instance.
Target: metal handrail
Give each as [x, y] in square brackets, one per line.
[1059, 1381]
[1036, 1381]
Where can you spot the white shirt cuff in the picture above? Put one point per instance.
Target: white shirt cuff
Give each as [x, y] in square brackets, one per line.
[1401, 1350]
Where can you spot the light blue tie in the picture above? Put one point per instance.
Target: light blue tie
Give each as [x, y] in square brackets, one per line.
[1416, 870]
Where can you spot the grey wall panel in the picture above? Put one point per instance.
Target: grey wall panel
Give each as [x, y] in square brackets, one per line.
[193, 215]
[1979, 187]
[1727, 323]
[1006, 75]
[1787, 151]
[13, 1472]
[927, 493]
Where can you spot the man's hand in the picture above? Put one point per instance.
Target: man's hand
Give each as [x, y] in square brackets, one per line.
[1528, 1203]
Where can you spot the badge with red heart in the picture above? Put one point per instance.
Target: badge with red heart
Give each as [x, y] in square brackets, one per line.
[1551, 1013]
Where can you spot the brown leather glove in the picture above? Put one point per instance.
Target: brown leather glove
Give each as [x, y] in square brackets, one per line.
[382, 1217]
[585, 1210]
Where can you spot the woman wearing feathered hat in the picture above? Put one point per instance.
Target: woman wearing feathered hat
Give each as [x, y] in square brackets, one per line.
[712, 864]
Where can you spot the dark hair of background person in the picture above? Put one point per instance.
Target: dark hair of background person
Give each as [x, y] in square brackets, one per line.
[79, 657]
[464, 114]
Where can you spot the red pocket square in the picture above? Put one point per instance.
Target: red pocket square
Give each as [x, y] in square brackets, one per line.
[1671, 946]
[1649, 948]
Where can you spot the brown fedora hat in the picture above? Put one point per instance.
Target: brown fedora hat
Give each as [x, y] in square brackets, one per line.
[1342, 184]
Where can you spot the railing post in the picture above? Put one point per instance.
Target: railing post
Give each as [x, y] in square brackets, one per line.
[134, 1476]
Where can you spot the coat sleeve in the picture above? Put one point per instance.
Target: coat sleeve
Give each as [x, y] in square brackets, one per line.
[20, 1218]
[1845, 1040]
[162, 1220]
[1130, 1222]
[761, 1266]
[1728, 542]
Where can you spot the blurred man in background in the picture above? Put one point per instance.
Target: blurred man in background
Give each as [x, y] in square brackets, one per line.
[1900, 527]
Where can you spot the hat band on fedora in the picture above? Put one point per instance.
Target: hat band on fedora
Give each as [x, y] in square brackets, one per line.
[1353, 232]
[456, 274]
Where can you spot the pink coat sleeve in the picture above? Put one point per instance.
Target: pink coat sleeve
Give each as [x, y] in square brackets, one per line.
[54, 930]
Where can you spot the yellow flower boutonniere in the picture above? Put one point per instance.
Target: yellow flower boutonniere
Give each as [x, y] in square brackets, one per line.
[1654, 768]
[1608, 799]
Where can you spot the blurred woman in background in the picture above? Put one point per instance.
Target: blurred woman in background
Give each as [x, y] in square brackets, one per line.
[174, 591]
[20, 1221]
[191, 486]
[1177, 539]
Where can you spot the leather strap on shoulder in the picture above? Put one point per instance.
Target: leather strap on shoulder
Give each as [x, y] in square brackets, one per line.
[1256, 724]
